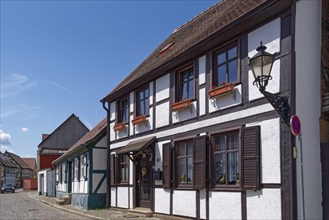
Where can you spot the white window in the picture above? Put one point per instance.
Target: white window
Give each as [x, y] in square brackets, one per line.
[76, 168]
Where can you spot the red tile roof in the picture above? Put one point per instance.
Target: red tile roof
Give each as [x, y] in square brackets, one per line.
[31, 162]
[188, 35]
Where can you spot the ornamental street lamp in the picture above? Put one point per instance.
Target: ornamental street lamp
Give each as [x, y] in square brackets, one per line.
[261, 66]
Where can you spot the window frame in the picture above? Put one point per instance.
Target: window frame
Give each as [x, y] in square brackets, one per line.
[178, 84]
[138, 101]
[120, 110]
[77, 168]
[186, 156]
[225, 133]
[219, 50]
[126, 165]
[83, 166]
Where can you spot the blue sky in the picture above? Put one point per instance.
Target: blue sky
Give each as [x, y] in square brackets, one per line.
[62, 57]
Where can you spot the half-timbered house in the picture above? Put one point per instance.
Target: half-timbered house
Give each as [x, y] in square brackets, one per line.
[7, 170]
[81, 171]
[190, 135]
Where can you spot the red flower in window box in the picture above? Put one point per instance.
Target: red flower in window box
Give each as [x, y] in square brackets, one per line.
[182, 104]
[216, 91]
[139, 119]
[119, 126]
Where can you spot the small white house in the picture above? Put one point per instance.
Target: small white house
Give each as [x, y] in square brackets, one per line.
[81, 171]
[190, 135]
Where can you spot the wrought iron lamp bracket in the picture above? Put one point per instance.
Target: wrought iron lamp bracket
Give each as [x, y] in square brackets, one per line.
[280, 104]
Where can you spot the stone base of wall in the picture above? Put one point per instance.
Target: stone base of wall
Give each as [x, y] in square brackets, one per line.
[86, 201]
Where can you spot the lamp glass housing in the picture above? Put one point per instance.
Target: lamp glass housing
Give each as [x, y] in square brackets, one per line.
[261, 66]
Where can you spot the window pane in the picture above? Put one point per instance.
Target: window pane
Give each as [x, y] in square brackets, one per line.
[141, 95]
[233, 71]
[183, 91]
[221, 74]
[191, 89]
[232, 53]
[220, 143]
[141, 108]
[146, 93]
[233, 168]
[220, 169]
[190, 148]
[233, 141]
[146, 110]
[221, 58]
[182, 170]
[189, 170]
[181, 149]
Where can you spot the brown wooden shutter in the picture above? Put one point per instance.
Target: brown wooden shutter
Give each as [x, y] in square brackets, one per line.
[112, 169]
[200, 162]
[250, 155]
[166, 166]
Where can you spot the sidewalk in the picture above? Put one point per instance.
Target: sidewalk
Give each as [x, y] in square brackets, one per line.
[100, 214]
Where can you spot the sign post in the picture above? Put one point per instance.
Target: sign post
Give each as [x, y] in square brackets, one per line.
[296, 130]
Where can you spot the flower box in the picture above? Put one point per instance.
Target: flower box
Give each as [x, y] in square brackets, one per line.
[119, 126]
[181, 105]
[139, 119]
[221, 90]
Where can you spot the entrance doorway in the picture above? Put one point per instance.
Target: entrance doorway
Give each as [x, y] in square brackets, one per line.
[144, 188]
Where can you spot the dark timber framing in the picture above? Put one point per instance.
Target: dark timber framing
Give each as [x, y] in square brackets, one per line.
[267, 12]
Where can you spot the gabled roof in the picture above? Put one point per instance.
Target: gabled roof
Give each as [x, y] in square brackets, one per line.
[31, 162]
[71, 130]
[4, 160]
[18, 160]
[93, 135]
[187, 36]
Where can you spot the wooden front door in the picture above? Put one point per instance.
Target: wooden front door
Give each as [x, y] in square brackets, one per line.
[144, 181]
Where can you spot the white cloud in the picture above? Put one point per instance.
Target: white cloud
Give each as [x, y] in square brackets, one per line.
[24, 129]
[5, 139]
[15, 84]
[61, 87]
[17, 109]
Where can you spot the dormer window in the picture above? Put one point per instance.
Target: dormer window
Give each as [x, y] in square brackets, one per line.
[123, 110]
[185, 84]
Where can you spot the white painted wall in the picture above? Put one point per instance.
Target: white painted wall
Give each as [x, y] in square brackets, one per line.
[203, 205]
[161, 201]
[151, 93]
[270, 150]
[264, 204]
[269, 34]
[226, 100]
[144, 126]
[131, 101]
[112, 132]
[80, 186]
[112, 110]
[96, 179]
[162, 115]
[202, 101]
[123, 197]
[184, 203]
[225, 205]
[162, 90]
[113, 196]
[308, 63]
[202, 70]
[99, 159]
[185, 114]
[102, 142]
[202, 124]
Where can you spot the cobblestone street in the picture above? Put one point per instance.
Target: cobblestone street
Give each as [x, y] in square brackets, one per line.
[22, 206]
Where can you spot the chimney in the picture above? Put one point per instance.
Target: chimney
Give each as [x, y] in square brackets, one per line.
[44, 136]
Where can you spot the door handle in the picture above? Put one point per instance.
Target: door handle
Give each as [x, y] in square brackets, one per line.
[138, 182]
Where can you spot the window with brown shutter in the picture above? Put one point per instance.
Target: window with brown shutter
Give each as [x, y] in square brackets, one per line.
[166, 166]
[200, 162]
[251, 158]
[225, 159]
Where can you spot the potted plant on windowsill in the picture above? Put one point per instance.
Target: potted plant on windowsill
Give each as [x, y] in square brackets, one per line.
[119, 126]
[181, 105]
[139, 119]
[221, 90]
